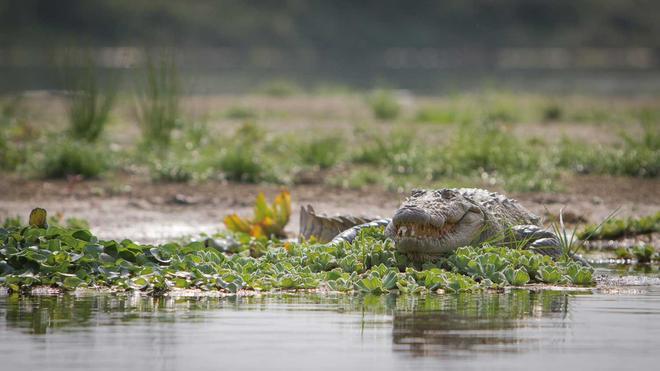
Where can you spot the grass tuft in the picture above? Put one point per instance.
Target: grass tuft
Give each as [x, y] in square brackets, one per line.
[241, 158]
[88, 104]
[384, 105]
[552, 112]
[279, 88]
[241, 113]
[158, 101]
[617, 228]
[70, 158]
[322, 152]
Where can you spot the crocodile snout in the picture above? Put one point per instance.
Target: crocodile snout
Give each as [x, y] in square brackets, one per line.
[416, 216]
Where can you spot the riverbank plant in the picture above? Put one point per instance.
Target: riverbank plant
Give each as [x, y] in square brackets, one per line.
[64, 158]
[621, 227]
[384, 105]
[480, 150]
[268, 220]
[70, 258]
[158, 101]
[88, 103]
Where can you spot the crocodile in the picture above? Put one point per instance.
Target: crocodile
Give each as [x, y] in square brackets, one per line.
[433, 223]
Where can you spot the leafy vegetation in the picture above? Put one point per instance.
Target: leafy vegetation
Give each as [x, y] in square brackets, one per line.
[616, 228]
[268, 221]
[242, 159]
[71, 257]
[241, 113]
[279, 88]
[15, 132]
[635, 157]
[477, 146]
[323, 152]
[88, 104]
[67, 158]
[384, 105]
[158, 101]
[643, 253]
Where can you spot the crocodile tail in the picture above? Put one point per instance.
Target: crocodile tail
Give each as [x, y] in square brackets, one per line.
[324, 228]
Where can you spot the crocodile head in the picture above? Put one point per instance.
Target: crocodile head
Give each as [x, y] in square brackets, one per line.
[434, 222]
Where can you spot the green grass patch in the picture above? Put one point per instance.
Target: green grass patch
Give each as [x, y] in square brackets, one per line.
[89, 104]
[322, 152]
[617, 228]
[158, 101]
[279, 88]
[488, 152]
[638, 157]
[69, 158]
[552, 112]
[241, 159]
[16, 133]
[241, 113]
[384, 105]
[440, 115]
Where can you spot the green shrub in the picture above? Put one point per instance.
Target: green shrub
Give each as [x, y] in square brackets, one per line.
[15, 131]
[616, 228]
[635, 157]
[552, 112]
[11, 155]
[623, 253]
[12, 222]
[279, 88]
[170, 171]
[88, 104]
[382, 150]
[242, 164]
[240, 113]
[322, 152]
[384, 105]
[241, 158]
[360, 178]
[496, 155]
[439, 115]
[644, 253]
[158, 101]
[64, 158]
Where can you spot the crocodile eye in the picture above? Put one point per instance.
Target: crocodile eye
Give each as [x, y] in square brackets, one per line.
[447, 194]
[417, 192]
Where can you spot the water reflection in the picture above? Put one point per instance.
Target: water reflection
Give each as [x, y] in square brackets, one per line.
[412, 317]
[486, 320]
[497, 330]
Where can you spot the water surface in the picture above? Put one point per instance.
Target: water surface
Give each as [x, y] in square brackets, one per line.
[518, 329]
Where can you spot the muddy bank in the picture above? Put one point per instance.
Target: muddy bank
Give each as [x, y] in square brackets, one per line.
[148, 212]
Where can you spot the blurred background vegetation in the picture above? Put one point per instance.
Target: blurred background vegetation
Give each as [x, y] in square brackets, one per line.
[513, 94]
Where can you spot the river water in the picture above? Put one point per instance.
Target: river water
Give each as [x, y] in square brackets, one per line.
[607, 329]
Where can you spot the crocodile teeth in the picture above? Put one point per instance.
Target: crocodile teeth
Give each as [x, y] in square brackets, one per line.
[423, 231]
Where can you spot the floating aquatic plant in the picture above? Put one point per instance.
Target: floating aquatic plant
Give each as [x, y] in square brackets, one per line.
[68, 258]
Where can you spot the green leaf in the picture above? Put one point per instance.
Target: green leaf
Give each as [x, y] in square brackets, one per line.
[549, 275]
[138, 283]
[70, 283]
[82, 234]
[516, 277]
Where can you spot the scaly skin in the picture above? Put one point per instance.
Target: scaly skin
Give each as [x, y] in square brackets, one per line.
[432, 223]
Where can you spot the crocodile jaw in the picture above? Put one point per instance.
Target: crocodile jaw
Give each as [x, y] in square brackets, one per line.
[432, 225]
